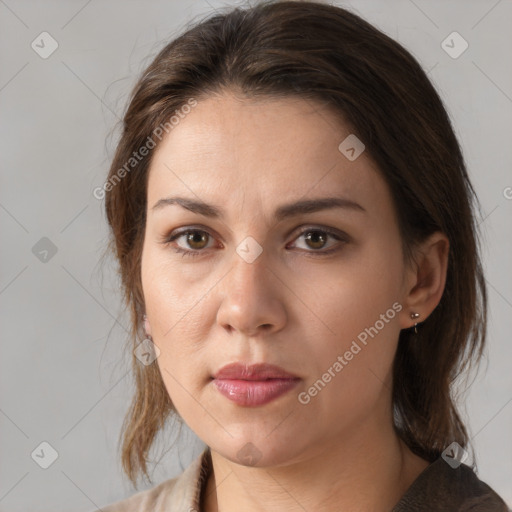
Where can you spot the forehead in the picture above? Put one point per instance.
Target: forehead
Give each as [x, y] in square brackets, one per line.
[264, 151]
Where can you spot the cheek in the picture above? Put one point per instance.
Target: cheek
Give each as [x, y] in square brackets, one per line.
[358, 308]
[350, 296]
[171, 297]
[174, 316]
[350, 371]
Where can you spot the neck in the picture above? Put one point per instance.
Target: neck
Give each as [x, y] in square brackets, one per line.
[367, 471]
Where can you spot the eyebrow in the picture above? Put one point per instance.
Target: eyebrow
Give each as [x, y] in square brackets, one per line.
[283, 212]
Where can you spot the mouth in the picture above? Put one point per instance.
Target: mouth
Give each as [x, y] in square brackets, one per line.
[258, 371]
[254, 393]
[253, 385]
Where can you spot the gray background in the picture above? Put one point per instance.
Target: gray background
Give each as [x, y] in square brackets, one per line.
[64, 377]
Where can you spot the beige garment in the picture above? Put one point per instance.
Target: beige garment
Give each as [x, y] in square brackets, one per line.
[439, 488]
[176, 494]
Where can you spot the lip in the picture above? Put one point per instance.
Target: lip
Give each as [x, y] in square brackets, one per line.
[253, 385]
[259, 371]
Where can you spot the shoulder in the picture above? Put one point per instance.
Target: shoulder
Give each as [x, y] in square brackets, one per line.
[179, 493]
[148, 500]
[440, 487]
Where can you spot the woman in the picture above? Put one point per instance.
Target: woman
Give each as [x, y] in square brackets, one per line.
[294, 225]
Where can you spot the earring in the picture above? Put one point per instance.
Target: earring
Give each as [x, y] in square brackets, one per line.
[414, 316]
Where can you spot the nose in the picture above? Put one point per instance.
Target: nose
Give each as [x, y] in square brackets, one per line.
[252, 303]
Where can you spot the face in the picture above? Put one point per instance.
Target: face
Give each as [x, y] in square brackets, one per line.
[316, 292]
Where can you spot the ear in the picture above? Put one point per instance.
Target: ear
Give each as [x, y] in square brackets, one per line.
[425, 281]
[147, 327]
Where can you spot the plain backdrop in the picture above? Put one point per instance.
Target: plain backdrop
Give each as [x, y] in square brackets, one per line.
[64, 377]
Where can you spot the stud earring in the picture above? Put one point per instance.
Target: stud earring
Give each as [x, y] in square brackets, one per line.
[414, 316]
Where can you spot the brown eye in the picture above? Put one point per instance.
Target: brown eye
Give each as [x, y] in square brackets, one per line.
[316, 239]
[195, 242]
[196, 239]
[189, 242]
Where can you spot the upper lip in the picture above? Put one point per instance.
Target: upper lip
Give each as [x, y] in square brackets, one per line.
[259, 371]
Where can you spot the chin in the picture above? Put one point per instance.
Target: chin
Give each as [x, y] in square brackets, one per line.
[259, 451]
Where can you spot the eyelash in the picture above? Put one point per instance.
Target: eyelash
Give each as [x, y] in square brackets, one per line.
[341, 237]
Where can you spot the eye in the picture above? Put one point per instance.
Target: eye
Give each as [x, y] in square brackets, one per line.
[193, 238]
[195, 241]
[316, 238]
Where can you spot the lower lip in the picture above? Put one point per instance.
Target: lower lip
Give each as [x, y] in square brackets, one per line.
[252, 393]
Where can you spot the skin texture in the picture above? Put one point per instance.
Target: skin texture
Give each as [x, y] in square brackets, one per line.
[288, 307]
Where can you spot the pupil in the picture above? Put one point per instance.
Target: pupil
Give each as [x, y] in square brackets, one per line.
[193, 239]
[314, 236]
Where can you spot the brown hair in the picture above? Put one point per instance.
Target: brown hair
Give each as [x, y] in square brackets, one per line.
[328, 54]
